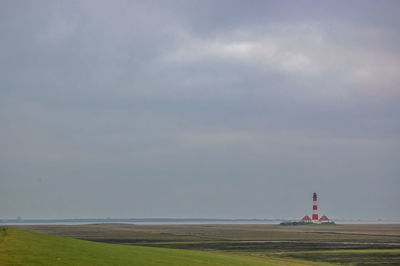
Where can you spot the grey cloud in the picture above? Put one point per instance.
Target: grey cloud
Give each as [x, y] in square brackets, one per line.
[158, 109]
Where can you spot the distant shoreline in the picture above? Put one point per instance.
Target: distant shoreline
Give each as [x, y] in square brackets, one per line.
[173, 221]
[140, 221]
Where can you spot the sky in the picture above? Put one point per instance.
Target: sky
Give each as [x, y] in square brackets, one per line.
[199, 109]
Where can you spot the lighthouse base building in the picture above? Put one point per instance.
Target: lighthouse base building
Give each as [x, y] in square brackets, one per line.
[306, 219]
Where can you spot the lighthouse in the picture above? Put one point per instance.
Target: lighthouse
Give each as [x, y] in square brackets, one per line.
[314, 217]
[315, 209]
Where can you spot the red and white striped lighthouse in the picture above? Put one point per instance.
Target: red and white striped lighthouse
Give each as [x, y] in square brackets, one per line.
[315, 209]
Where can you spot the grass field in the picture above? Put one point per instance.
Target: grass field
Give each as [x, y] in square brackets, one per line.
[340, 244]
[20, 247]
[352, 257]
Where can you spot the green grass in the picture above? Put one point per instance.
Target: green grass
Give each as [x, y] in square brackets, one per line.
[352, 257]
[20, 247]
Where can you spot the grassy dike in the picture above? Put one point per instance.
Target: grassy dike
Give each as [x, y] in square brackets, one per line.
[21, 247]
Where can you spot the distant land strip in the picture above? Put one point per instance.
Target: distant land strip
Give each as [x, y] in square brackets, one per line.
[135, 220]
[173, 220]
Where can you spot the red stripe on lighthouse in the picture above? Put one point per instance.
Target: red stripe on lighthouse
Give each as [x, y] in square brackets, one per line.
[315, 207]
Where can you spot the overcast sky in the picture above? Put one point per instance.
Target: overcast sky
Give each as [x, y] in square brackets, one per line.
[211, 109]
